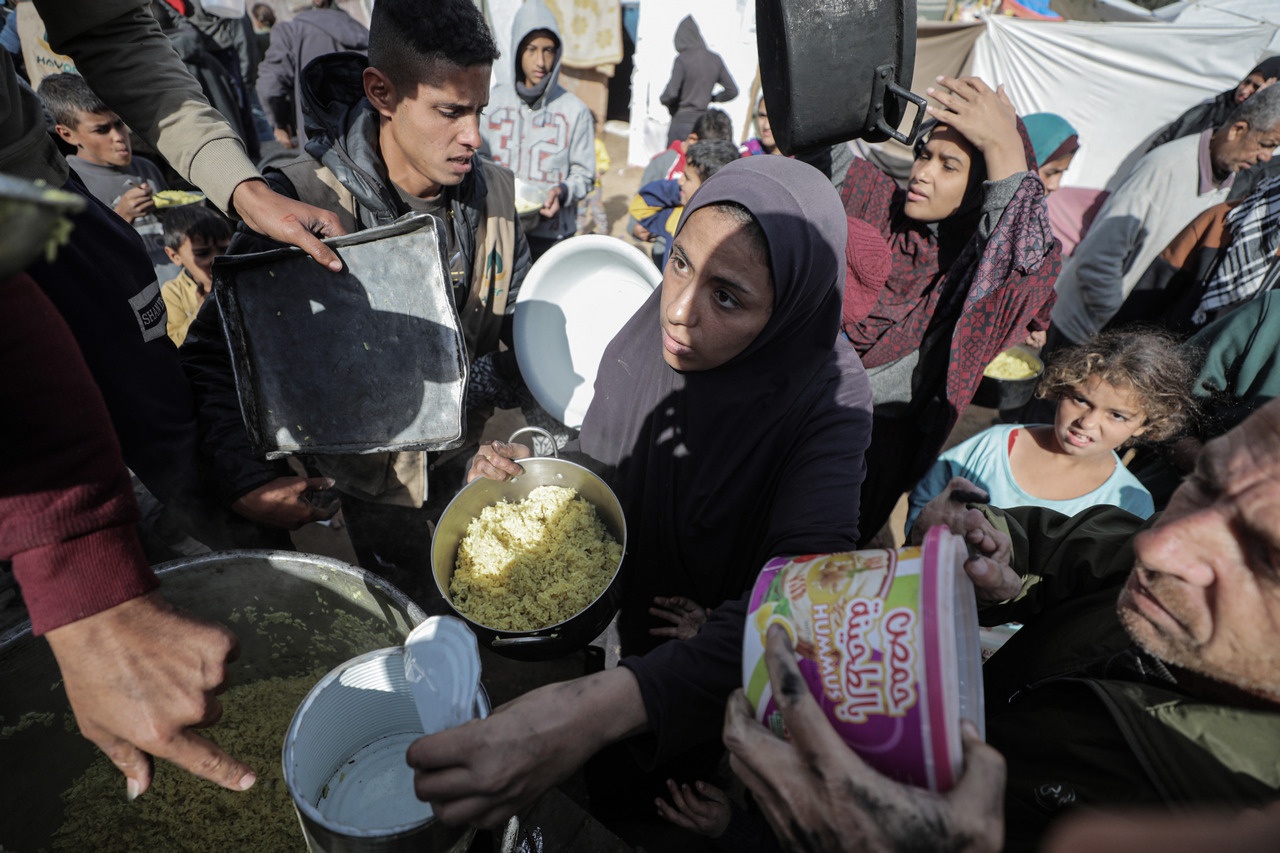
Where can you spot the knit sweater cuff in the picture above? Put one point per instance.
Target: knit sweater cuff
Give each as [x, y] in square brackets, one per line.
[69, 580]
[219, 167]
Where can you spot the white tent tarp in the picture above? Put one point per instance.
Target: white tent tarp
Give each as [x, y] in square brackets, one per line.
[1117, 83]
[1237, 12]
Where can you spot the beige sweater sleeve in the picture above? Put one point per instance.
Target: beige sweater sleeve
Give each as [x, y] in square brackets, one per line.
[119, 48]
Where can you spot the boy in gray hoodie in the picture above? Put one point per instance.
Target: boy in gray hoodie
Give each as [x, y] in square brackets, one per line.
[539, 130]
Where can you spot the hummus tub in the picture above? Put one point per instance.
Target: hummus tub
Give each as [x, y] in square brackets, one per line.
[887, 642]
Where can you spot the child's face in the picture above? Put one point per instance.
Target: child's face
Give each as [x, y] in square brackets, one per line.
[765, 129]
[100, 138]
[432, 131]
[690, 180]
[1097, 417]
[196, 255]
[538, 58]
[939, 176]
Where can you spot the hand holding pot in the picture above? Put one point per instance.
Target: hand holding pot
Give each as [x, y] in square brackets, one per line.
[551, 207]
[990, 550]
[139, 676]
[494, 461]
[487, 770]
[986, 118]
[817, 785]
[287, 220]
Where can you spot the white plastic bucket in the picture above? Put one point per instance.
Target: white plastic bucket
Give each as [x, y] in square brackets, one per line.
[887, 642]
[344, 762]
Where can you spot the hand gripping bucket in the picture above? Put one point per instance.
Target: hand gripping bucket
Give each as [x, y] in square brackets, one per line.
[888, 644]
[344, 763]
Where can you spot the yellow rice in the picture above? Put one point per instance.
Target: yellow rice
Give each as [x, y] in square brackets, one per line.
[524, 566]
[1011, 364]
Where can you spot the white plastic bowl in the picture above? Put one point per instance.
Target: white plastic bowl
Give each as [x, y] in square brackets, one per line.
[573, 301]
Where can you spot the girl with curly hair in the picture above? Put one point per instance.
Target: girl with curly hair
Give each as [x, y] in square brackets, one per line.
[1113, 391]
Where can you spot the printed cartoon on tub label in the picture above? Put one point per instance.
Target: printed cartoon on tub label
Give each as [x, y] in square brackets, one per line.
[853, 619]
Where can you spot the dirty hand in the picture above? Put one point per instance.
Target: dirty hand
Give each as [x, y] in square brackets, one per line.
[283, 502]
[990, 551]
[139, 677]
[288, 221]
[284, 137]
[642, 233]
[699, 808]
[552, 205]
[134, 202]
[485, 771]
[1036, 339]
[986, 118]
[493, 461]
[818, 795]
[686, 617]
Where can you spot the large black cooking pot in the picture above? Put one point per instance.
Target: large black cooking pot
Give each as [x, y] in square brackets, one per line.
[578, 630]
[835, 70]
[293, 613]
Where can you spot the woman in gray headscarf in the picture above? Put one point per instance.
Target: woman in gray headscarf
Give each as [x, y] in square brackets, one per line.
[732, 419]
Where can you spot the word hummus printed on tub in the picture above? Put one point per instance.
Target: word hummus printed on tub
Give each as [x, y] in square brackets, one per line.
[887, 642]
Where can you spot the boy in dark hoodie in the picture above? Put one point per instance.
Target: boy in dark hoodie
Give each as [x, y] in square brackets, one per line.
[695, 74]
[320, 28]
[541, 131]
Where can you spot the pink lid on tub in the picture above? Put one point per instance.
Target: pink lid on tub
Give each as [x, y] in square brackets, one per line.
[888, 644]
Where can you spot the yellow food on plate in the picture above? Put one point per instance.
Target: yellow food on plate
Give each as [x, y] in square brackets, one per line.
[1012, 364]
[176, 198]
[526, 206]
[527, 565]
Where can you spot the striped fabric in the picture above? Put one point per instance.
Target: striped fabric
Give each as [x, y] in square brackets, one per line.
[1242, 263]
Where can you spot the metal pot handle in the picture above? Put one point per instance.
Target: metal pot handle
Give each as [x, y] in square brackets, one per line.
[885, 86]
[524, 641]
[555, 454]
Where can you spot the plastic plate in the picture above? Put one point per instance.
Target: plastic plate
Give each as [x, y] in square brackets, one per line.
[573, 301]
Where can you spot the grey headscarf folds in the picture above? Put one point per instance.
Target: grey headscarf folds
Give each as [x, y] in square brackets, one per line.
[719, 470]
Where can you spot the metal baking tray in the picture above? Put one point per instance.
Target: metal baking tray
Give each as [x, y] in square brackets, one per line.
[365, 360]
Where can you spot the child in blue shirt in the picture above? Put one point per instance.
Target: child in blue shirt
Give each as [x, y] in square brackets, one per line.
[1118, 388]
[660, 204]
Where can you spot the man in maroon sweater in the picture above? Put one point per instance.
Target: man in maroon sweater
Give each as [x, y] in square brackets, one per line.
[139, 672]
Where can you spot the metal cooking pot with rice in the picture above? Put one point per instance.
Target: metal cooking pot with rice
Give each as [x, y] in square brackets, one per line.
[565, 636]
[292, 613]
[1010, 380]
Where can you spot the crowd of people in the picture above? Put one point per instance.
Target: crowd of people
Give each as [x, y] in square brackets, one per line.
[816, 338]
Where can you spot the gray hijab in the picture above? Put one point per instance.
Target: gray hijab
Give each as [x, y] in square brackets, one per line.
[702, 457]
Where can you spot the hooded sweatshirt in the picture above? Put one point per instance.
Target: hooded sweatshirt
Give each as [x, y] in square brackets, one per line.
[549, 141]
[695, 73]
[311, 34]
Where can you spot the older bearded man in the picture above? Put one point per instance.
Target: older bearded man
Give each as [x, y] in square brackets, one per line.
[1148, 672]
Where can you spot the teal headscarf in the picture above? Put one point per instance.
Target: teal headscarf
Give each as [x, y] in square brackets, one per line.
[1052, 136]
